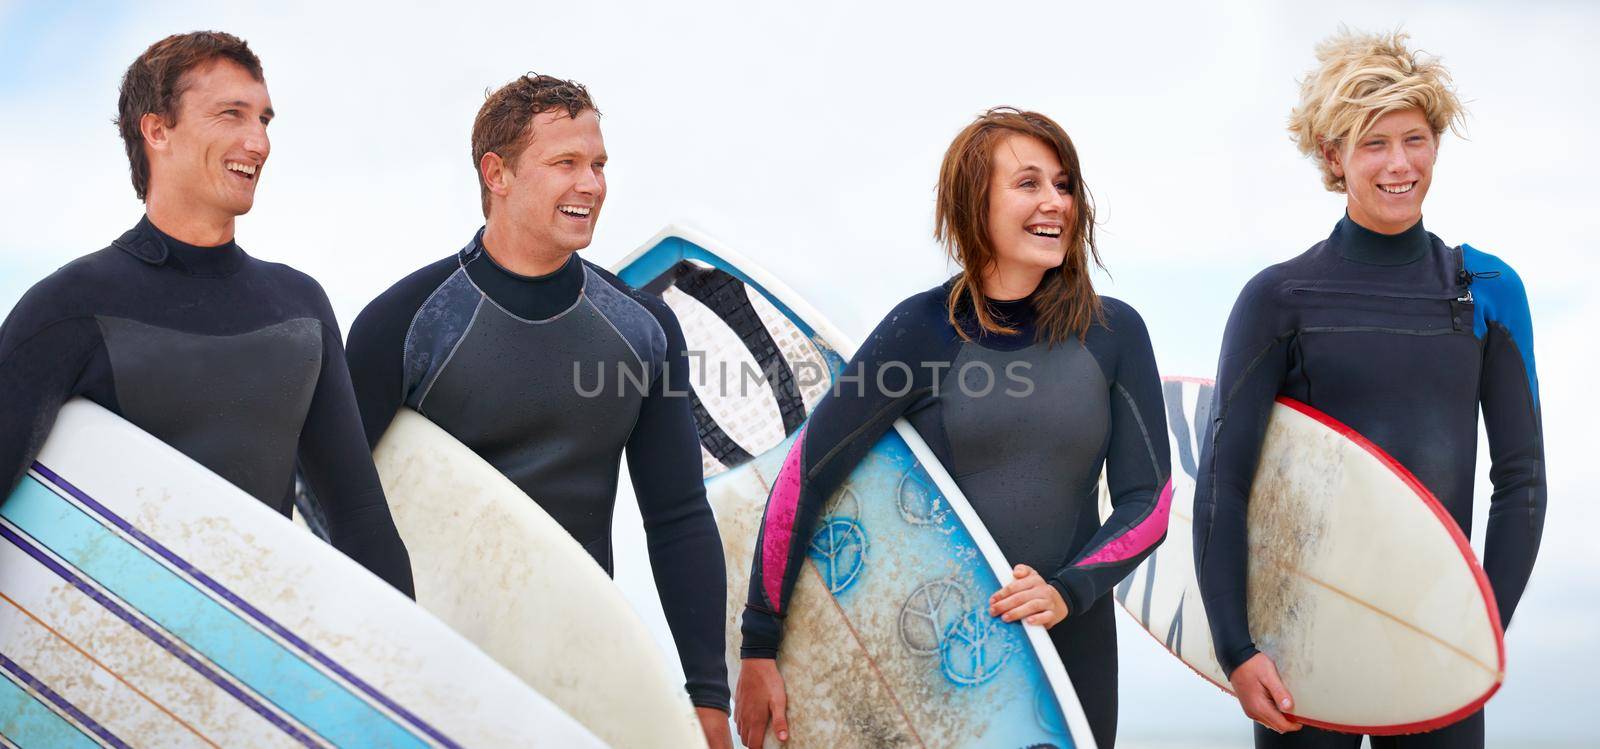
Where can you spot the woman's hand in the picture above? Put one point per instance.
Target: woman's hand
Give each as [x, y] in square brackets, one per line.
[1029, 598]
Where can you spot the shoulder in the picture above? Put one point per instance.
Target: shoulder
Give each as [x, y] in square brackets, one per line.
[1119, 333]
[73, 289]
[1496, 288]
[645, 322]
[919, 323]
[1121, 315]
[1487, 267]
[399, 303]
[649, 303]
[296, 285]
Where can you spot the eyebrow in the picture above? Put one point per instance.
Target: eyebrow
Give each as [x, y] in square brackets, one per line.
[573, 155]
[245, 104]
[1034, 168]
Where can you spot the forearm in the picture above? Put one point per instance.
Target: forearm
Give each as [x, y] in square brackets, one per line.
[690, 575]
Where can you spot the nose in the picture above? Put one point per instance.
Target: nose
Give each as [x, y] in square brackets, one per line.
[591, 182]
[1055, 202]
[1397, 161]
[257, 143]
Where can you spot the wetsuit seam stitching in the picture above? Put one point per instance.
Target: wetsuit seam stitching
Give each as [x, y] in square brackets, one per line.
[625, 341]
[553, 318]
[1155, 469]
[35, 334]
[854, 433]
[411, 327]
[452, 355]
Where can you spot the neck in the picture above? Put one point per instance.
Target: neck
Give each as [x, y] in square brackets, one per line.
[1006, 282]
[183, 223]
[521, 254]
[1361, 219]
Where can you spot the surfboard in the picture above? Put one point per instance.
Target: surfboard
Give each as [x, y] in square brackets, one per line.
[1362, 588]
[145, 601]
[888, 641]
[504, 574]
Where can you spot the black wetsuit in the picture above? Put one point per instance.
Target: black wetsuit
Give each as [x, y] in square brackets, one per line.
[234, 361]
[549, 379]
[1403, 339]
[1024, 428]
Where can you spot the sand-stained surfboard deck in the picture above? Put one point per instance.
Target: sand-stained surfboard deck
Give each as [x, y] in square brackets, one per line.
[888, 641]
[497, 568]
[145, 601]
[1362, 588]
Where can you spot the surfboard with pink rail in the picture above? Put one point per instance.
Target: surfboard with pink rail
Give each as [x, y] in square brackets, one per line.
[1361, 587]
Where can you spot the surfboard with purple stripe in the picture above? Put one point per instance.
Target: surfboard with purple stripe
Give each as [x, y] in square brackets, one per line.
[145, 599]
[888, 641]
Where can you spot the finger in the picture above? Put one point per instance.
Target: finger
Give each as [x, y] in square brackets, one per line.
[1022, 571]
[1264, 711]
[780, 719]
[752, 725]
[1026, 608]
[1279, 693]
[1042, 618]
[1014, 600]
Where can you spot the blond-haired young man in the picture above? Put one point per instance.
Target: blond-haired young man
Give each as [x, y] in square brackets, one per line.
[1388, 329]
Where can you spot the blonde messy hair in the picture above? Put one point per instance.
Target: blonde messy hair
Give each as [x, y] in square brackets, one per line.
[1359, 78]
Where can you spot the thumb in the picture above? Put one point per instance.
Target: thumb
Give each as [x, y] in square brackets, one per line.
[1280, 693]
[780, 719]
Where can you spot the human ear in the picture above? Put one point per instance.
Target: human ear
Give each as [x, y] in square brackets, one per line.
[154, 129]
[1334, 157]
[495, 173]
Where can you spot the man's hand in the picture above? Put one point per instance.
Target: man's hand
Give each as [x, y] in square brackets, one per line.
[714, 723]
[1028, 596]
[1262, 694]
[759, 701]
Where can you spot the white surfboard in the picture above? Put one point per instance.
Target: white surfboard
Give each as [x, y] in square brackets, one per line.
[145, 601]
[1362, 588]
[493, 565]
[888, 641]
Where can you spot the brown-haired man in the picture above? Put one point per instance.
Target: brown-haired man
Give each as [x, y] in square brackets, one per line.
[234, 361]
[549, 367]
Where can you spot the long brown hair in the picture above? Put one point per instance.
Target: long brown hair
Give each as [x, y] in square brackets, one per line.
[1065, 301]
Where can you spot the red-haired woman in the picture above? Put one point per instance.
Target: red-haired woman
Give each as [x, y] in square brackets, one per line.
[1025, 383]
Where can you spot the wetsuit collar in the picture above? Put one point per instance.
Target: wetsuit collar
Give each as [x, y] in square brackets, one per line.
[527, 297]
[156, 247]
[1362, 245]
[1015, 313]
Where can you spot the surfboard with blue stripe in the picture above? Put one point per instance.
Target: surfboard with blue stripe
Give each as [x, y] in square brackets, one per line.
[142, 597]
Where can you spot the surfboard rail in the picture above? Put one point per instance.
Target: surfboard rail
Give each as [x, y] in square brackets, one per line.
[677, 243]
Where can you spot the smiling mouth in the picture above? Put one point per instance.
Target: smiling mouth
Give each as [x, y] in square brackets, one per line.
[575, 211]
[1398, 189]
[1052, 232]
[247, 171]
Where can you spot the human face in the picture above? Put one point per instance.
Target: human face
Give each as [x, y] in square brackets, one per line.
[1387, 172]
[552, 197]
[211, 160]
[1030, 210]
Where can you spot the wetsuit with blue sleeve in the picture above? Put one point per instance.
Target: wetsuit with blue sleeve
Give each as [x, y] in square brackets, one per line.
[1405, 339]
[234, 361]
[551, 379]
[1024, 428]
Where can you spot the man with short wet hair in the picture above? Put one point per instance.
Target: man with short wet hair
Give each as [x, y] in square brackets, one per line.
[234, 361]
[501, 345]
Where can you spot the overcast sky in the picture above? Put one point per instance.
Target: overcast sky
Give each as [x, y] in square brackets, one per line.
[808, 137]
